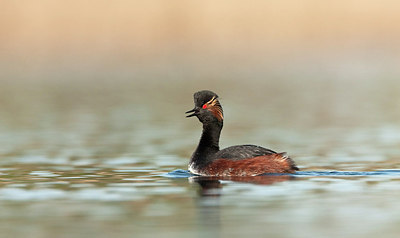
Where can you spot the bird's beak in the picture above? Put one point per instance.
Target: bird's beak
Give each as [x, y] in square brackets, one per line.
[193, 111]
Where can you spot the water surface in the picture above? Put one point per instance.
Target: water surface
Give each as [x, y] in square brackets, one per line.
[111, 161]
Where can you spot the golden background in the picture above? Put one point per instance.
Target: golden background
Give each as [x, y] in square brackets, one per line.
[48, 39]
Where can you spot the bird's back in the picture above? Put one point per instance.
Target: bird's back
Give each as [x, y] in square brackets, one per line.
[239, 152]
[248, 160]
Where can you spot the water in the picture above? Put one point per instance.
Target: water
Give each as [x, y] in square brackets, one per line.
[110, 160]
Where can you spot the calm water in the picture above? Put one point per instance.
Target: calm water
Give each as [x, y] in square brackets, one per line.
[110, 160]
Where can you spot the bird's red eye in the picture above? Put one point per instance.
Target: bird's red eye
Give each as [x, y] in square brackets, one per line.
[204, 106]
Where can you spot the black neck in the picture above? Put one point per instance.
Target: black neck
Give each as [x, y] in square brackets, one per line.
[209, 143]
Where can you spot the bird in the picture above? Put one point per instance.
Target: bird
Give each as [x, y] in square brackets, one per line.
[239, 160]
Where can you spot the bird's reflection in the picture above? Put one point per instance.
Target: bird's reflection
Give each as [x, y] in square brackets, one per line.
[212, 186]
[208, 201]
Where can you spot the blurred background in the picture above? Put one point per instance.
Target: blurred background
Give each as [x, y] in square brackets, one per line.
[122, 73]
[320, 62]
[92, 102]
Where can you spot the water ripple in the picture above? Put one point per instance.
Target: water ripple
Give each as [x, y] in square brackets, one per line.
[180, 173]
[349, 173]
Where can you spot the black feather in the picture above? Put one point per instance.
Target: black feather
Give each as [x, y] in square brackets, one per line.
[239, 152]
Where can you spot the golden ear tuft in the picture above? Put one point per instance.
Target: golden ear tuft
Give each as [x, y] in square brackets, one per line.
[215, 107]
[211, 101]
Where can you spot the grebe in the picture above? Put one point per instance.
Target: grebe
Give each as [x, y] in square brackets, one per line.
[240, 160]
